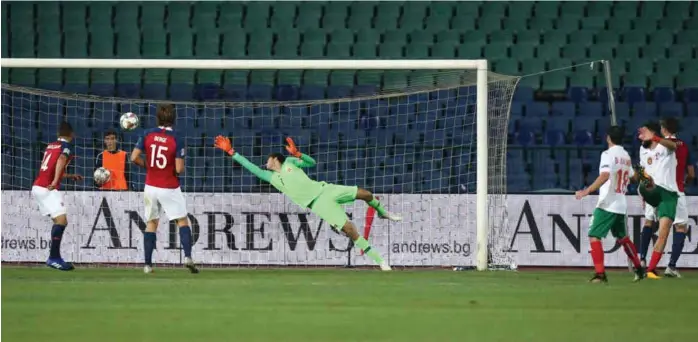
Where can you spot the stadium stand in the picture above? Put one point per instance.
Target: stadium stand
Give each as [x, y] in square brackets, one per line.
[557, 121]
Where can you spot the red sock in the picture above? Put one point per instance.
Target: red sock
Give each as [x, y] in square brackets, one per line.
[597, 256]
[630, 250]
[656, 256]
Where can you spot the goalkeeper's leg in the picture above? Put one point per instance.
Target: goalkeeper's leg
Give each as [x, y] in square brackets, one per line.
[360, 242]
[368, 197]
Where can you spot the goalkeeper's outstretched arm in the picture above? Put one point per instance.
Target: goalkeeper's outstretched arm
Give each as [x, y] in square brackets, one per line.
[264, 175]
[224, 144]
[304, 161]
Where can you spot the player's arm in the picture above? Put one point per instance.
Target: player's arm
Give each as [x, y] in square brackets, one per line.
[645, 134]
[136, 157]
[604, 175]
[304, 161]
[299, 159]
[224, 144]
[136, 153]
[179, 157]
[690, 169]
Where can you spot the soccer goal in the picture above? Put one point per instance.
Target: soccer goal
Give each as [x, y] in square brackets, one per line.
[428, 137]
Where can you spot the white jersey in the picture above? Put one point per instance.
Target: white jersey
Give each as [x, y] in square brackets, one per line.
[616, 162]
[662, 165]
[645, 160]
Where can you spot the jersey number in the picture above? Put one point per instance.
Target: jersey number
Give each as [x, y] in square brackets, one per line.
[44, 162]
[621, 181]
[157, 157]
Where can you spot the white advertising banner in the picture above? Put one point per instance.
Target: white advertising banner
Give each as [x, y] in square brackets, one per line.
[551, 230]
[231, 229]
[267, 229]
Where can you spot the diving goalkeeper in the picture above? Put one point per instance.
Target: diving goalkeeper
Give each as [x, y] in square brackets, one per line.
[323, 199]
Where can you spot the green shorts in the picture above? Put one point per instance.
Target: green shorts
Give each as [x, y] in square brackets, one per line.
[328, 205]
[664, 200]
[603, 221]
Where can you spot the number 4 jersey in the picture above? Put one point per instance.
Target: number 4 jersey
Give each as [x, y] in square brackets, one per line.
[47, 170]
[616, 162]
[161, 147]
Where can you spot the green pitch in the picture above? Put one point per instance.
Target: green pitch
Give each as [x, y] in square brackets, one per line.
[100, 305]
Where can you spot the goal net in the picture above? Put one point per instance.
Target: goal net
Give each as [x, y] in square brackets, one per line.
[411, 136]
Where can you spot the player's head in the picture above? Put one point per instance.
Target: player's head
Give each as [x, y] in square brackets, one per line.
[65, 130]
[110, 140]
[166, 115]
[614, 136]
[275, 160]
[652, 126]
[670, 126]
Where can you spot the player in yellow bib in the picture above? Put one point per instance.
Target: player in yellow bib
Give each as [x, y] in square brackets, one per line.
[323, 199]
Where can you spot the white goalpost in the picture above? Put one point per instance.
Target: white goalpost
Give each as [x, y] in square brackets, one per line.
[415, 142]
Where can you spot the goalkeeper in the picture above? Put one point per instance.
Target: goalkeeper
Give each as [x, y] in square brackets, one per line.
[323, 199]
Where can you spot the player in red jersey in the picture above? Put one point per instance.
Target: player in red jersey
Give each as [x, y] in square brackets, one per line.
[164, 162]
[684, 171]
[45, 191]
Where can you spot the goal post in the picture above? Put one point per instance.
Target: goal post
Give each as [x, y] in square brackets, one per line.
[492, 100]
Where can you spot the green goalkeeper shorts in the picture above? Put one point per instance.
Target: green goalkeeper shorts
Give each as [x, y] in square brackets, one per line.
[664, 200]
[328, 205]
[604, 221]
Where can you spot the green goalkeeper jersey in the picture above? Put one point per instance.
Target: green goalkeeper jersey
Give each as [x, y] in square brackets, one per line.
[290, 180]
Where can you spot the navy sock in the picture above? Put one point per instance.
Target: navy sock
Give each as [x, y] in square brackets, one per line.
[647, 233]
[56, 237]
[149, 246]
[676, 248]
[185, 239]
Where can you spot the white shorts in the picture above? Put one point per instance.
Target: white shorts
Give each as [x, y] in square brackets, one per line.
[50, 201]
[681, 210]
[650, 212]
[157, 200]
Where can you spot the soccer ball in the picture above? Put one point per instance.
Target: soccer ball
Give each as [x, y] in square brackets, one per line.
[102, 175]
[129, 121]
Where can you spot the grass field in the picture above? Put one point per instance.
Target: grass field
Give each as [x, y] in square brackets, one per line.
[100, 305]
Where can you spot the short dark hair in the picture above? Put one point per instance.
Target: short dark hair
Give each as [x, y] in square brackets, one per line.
[671, 124]
[65, 129]
[278, 156]
[653, 126]
[166, 115]
[110, 132]
[616, 134]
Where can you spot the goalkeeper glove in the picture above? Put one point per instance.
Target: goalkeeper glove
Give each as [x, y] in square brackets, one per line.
[224, 144]
[292, 149]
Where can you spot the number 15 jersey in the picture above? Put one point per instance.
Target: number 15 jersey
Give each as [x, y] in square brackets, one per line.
[161, 147]
[616, 162]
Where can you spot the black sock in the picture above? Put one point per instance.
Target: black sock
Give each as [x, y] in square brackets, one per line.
[647, 233]
[56, 237]
[149, 246]
[185, 239]
[676, 248]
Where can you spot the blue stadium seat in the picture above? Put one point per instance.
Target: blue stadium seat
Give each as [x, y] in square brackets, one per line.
[524, 138]
[537, 109]
[663, 94]
[310, 92]
[563, 109]
[287, 93]
[207, 91]
[590, 109]
[583, 138]
[578, 94]
[259, 92]
[554, 137]
[523, 94]
[338, 92]
[674, 109]
[646, 110]
[128, 90]
[692, 109]
[634, 94]
[155, 91]
[584, 124]
[235, 92]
